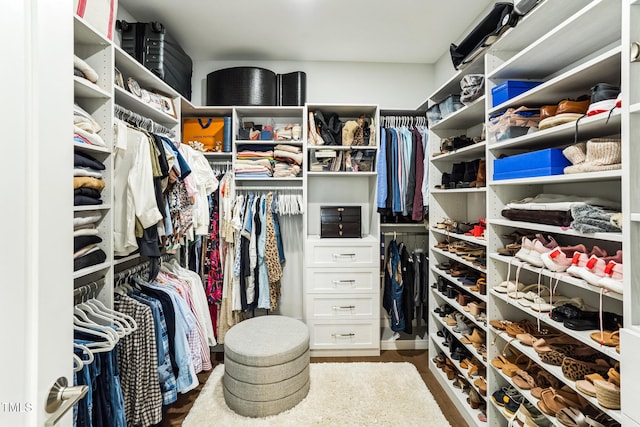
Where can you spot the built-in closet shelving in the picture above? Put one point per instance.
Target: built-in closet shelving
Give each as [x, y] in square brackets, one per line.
[100, 100]
[630, 334]
[188, 110]
[544, 46]
[460, 204]
[414, 236]
[97, 100]
[276, 117]
[341, 284]
[568, 63]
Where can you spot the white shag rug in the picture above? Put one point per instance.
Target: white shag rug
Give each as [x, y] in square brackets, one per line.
[341, 394]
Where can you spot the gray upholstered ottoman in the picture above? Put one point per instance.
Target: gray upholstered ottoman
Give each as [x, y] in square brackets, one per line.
[266, 365]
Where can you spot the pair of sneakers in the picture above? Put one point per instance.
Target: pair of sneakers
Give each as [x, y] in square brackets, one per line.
[602, 271]
[531, 250]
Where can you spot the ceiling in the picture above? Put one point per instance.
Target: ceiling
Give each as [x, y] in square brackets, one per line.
[396, 31]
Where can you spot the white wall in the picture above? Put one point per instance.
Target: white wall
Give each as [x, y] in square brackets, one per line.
[392, 86]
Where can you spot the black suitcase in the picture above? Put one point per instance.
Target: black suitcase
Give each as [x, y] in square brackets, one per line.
[153, 47]
[492, 26]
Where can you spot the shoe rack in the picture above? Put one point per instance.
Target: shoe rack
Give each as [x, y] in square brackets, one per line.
[552, 44]
[455, 348]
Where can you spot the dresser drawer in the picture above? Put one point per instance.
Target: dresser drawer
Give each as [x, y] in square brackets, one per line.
[344, 335]
[347, 280]
[361, 306]
[354, 254]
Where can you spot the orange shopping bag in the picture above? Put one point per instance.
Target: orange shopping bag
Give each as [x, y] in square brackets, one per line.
[207, 130]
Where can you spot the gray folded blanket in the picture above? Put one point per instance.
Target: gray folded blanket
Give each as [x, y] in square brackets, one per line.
[592, 219]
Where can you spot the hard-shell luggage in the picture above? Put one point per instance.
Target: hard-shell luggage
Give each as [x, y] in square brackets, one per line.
[492, 26]
[153, 47]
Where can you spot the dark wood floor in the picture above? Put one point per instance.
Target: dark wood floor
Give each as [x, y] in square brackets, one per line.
[420, 358]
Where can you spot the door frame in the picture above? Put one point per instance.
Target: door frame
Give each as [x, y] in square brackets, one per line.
[37, 214]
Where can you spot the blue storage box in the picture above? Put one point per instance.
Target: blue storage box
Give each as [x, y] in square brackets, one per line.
[537, 163]
[510, 89]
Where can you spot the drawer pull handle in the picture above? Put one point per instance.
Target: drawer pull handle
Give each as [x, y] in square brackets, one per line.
[342, 282]
[349, 335]
[344, 307]
[344, 255]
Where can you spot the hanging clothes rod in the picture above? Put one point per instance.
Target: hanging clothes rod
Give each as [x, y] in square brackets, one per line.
[139, 268]
[405, 233]
[142, 122]
[87, 291]
[258, 188]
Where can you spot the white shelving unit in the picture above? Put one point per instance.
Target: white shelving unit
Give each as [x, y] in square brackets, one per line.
[461, 204]
[537, 49]
[97, 100]
[342, 270]
[267, 116]
[568, 65]
[630, 334]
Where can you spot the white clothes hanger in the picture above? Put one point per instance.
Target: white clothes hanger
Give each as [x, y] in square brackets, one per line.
[107, 345]
[78, 364]
[122, 329]
[97, 304]
[81, 319]
[87, 351]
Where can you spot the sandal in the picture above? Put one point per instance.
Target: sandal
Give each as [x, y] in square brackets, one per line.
[447, 224]
[571, 417]
[481, 383]
[523, 380]
[606, 338]
[510, 249]
[550, 402]
[608, 394]
[545, 379]
[500, 324]
[521, 362]
[587, 385]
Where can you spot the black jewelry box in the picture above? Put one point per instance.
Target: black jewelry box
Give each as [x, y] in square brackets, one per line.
[340, 221]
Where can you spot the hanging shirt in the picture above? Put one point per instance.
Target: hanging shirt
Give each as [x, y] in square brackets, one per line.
[381, 168]
[205, 183]
[137, 356]
[134, 194]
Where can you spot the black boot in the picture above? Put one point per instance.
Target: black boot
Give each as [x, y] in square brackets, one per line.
[470, 173]
[457, 174]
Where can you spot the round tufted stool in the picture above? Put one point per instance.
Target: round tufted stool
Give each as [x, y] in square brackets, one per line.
[266, 365]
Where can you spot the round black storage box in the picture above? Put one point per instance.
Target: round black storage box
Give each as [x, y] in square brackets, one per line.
[242, 86]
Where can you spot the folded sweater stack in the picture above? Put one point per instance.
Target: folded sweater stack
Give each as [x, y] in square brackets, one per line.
[288, 160]
[86, 240]
[88, 180]
[254, 163]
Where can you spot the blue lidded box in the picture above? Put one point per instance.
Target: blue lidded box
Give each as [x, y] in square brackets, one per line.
[510, 89]
[537, 163]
